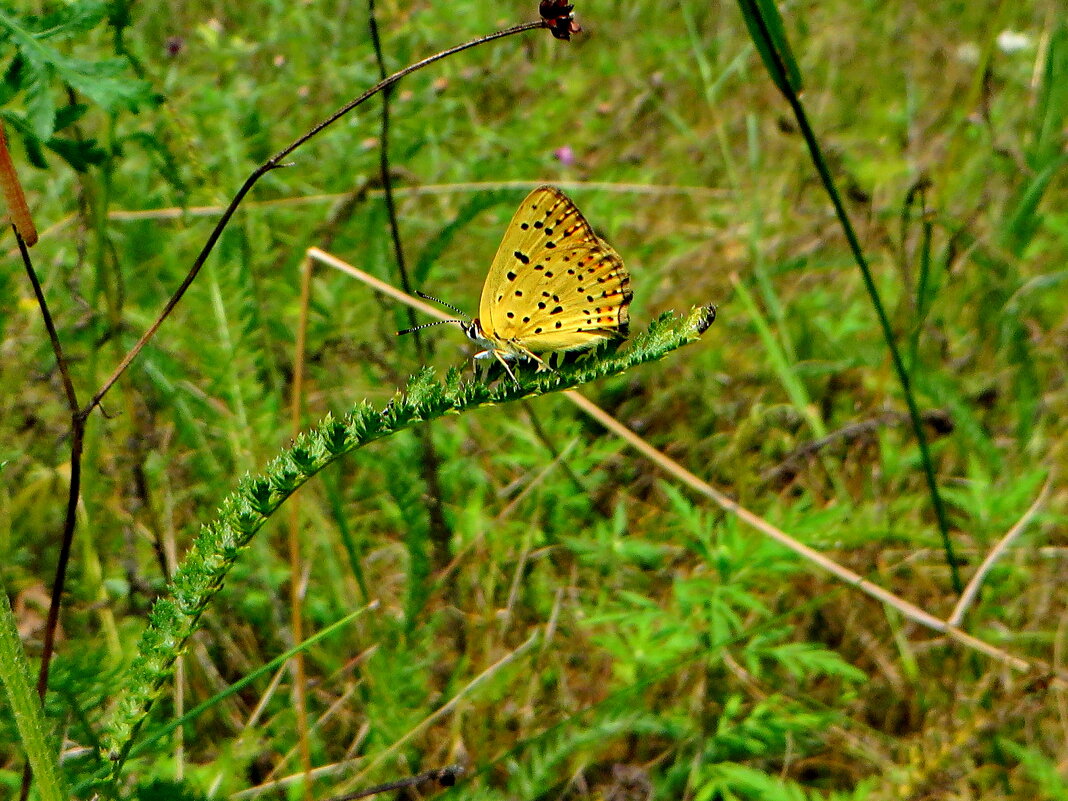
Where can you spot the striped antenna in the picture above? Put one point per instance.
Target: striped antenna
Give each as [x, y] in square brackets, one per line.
[425, 296]
[427, 325]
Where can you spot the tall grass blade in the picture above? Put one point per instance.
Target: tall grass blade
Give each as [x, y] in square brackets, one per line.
[32, 726]
[766, 29]
[762, 31]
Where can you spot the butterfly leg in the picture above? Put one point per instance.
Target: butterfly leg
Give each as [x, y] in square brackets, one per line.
[504, 363]
[543, 365]
[493, 354]
[497, 355]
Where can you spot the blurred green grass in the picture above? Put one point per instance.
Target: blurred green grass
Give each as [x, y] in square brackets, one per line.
[682, 644]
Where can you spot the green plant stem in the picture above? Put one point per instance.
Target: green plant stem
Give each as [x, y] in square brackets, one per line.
[26, 708]
[239, 685]
[786, 86]
[888, 335]
[175, 616]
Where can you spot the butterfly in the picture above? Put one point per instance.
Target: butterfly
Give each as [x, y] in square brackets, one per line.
[554, 286]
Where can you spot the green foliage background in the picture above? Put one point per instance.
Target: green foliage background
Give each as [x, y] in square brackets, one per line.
[680, 655]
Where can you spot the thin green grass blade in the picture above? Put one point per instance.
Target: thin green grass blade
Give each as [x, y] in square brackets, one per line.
[1021, 225]
[1051, 108]
[240, 684]
[766, 29]
[791, 384]
[777, 63]
[37, 739]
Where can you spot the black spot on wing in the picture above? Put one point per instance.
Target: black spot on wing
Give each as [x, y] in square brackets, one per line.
[523, 257]
[511, 276]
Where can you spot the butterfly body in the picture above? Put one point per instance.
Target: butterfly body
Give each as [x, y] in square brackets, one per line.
[554, 285]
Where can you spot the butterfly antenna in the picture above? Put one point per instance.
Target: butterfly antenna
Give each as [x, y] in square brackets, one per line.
[427, 325]
[425, 296]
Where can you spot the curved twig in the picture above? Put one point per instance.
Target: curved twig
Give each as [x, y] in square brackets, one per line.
[273, 163]
[972, 590]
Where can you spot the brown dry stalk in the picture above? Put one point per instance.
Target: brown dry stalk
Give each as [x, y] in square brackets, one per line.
[972, 590]
[14, 197]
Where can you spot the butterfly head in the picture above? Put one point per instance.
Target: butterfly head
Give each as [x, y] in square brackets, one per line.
[472, 328]
[477, 334]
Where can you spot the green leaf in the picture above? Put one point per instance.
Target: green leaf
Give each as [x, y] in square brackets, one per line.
[40, 107]
[1051, 108]
[1025, 219]
[105, 82]
[73, 20]
[765, 26]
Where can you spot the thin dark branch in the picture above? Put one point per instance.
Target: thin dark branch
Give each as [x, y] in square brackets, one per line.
[440, 533]
[46, 315]
[387, 181]
[444, 777]
[77, 441]
[939, 419]
[273, 163]
[73, 492]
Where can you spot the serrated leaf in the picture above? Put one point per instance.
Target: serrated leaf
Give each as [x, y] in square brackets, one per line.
[73, 20]
[80, 154]
[70, 114]
[105, 82]
[40, 107]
